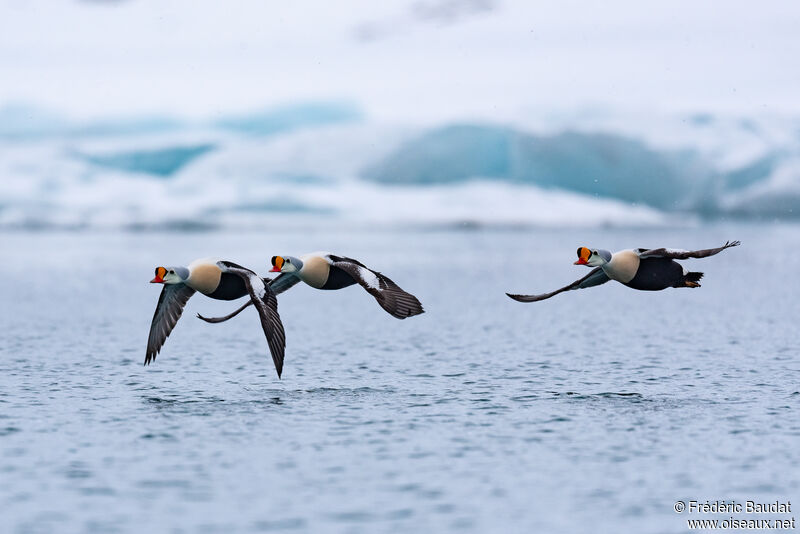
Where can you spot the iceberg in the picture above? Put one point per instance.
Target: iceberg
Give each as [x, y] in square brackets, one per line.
[601, 165]
[162, 162]
[317, 164]
[290, 118]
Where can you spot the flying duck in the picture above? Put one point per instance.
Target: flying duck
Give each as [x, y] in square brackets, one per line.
[221, 280]
[322, 270]
[641, 268]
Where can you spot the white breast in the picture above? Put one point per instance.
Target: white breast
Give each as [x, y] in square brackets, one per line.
[204, 275]
[623, 266]
[315, 270]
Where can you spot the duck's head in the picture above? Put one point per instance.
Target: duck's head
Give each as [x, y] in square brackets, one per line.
[170, 275]
[286, 264]
[592, 257]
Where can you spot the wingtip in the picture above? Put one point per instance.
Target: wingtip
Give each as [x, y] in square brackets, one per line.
[523, 298]
[149, 358]
[403, 316]
[414, 312]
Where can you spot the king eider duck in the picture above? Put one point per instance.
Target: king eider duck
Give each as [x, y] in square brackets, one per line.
[221, 280]
[641, 268]
[322, 270]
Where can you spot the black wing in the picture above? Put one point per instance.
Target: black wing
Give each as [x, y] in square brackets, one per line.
[389, 295]
[596, 277]
[684, 254]
[224, 318]
[279, 284]
[266, 303]
[168, 310]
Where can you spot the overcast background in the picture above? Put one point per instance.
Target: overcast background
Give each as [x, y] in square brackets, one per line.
[426, 60]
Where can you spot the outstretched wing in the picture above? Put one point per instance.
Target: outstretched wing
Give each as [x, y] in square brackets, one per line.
[224, 318]
[683, 254]
[596, 277]
[282, 282]
[168, 310]
[266, 303]
[389, 295]
[278, 285]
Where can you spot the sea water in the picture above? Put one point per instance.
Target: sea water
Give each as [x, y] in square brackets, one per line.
[595, 411]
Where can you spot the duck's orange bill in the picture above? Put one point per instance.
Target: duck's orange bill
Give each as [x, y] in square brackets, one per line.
[583, 256]
[159, 279]
[277, 263]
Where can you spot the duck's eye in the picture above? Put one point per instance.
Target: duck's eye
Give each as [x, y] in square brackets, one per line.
[288, 261]
[594, 253]
[171, 271]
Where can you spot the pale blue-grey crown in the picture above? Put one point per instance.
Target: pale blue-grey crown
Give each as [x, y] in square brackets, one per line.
[183, 272]
[297, 262]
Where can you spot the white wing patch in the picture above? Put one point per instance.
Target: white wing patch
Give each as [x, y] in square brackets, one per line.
[255, 281]
[369, 278]
[258, 285]
[668, 250]
[318, 254]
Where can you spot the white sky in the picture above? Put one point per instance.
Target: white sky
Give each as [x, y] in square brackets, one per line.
[203, 57]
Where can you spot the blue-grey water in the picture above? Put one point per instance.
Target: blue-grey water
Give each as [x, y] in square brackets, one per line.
[591, 412]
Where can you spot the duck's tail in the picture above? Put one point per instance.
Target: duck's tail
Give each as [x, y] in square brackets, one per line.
[691, 279]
